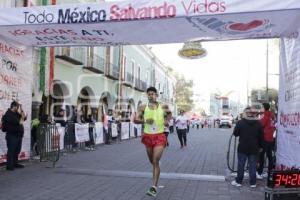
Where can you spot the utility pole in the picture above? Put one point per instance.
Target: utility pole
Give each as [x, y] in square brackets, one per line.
[248, 70]
[267, 72]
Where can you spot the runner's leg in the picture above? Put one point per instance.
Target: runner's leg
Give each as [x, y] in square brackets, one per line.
[150, 154]
[184, 137]
[157, 153]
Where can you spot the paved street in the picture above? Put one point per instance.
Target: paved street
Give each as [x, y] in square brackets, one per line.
[121, 171]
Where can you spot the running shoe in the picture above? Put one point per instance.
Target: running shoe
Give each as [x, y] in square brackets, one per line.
[234, 183]
[152, 192]
[258, 176]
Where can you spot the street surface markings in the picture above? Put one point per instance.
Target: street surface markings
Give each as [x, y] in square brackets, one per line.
[119, 173]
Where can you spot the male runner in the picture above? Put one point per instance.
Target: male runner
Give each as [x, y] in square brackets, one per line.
[153, 117]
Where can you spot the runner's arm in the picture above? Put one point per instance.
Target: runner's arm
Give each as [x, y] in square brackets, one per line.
[167, 114]
[138, 118]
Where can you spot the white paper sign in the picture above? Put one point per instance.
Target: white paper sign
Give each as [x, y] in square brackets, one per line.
[61, 131]
[114, 130]
[99, 133]
[82, 132]
[124, 130]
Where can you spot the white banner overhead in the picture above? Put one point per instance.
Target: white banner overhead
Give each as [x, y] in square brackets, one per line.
[134, 22]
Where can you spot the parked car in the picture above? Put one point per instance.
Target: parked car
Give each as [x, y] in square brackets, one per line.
[225, 121]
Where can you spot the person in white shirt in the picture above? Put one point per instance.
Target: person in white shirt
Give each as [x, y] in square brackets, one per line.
[171, 125]
[181, 127]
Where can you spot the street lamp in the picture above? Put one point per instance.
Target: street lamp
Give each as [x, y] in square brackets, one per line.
[192, 50]
[267, 72]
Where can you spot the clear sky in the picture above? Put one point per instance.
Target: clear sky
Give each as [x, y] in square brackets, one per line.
[228, 66]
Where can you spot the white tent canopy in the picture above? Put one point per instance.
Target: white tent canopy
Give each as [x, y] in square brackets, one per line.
[149, 22]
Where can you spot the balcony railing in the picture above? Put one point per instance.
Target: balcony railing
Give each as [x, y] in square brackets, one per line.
[95, 64]
[78, 56]
[64, 53]
[128, 79]
[113, 71]
[140, 85]
[79, 53]
[98, 62]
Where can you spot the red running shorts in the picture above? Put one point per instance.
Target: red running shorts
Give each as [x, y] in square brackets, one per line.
[152, 140]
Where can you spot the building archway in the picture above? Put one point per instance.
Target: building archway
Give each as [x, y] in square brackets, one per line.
[59, 98]
[104, 103]
[86, 103]
[131, 107]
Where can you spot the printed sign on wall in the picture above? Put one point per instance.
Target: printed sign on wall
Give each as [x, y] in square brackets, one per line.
[15, 84]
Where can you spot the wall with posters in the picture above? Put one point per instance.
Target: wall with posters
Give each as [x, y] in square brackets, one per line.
[288, 134]
[15, 84]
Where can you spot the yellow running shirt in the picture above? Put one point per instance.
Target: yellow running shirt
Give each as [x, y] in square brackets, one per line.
[158, 116]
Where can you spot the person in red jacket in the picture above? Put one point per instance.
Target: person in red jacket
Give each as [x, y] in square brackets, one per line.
[267, 122]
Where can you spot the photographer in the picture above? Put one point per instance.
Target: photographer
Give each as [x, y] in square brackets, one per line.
[13, 122]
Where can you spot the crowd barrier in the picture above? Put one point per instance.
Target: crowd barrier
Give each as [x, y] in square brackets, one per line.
[49, 142]
[54, 139]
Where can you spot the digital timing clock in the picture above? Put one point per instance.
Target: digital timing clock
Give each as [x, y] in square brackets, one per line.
[284, 179]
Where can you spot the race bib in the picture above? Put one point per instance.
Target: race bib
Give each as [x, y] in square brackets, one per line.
[153, 128]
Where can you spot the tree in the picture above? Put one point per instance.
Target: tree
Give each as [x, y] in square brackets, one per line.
[184, 93]
[259, 96]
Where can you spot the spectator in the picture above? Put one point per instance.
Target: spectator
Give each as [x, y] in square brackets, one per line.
[60, 117]
[46, 119]
[106, 122]
[268, 124]
[90, 145]
[70, 139]
[171, 125]
[13, 121]
[34, 136]
[182, 125]
[249, 131]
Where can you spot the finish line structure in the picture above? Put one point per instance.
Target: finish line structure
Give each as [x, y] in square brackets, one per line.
[154, 22]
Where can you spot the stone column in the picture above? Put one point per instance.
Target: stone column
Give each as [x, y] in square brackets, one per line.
[35, 110]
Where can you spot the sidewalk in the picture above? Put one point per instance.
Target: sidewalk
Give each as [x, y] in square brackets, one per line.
[121, 171]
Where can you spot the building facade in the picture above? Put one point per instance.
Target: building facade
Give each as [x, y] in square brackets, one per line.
[97, 79]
